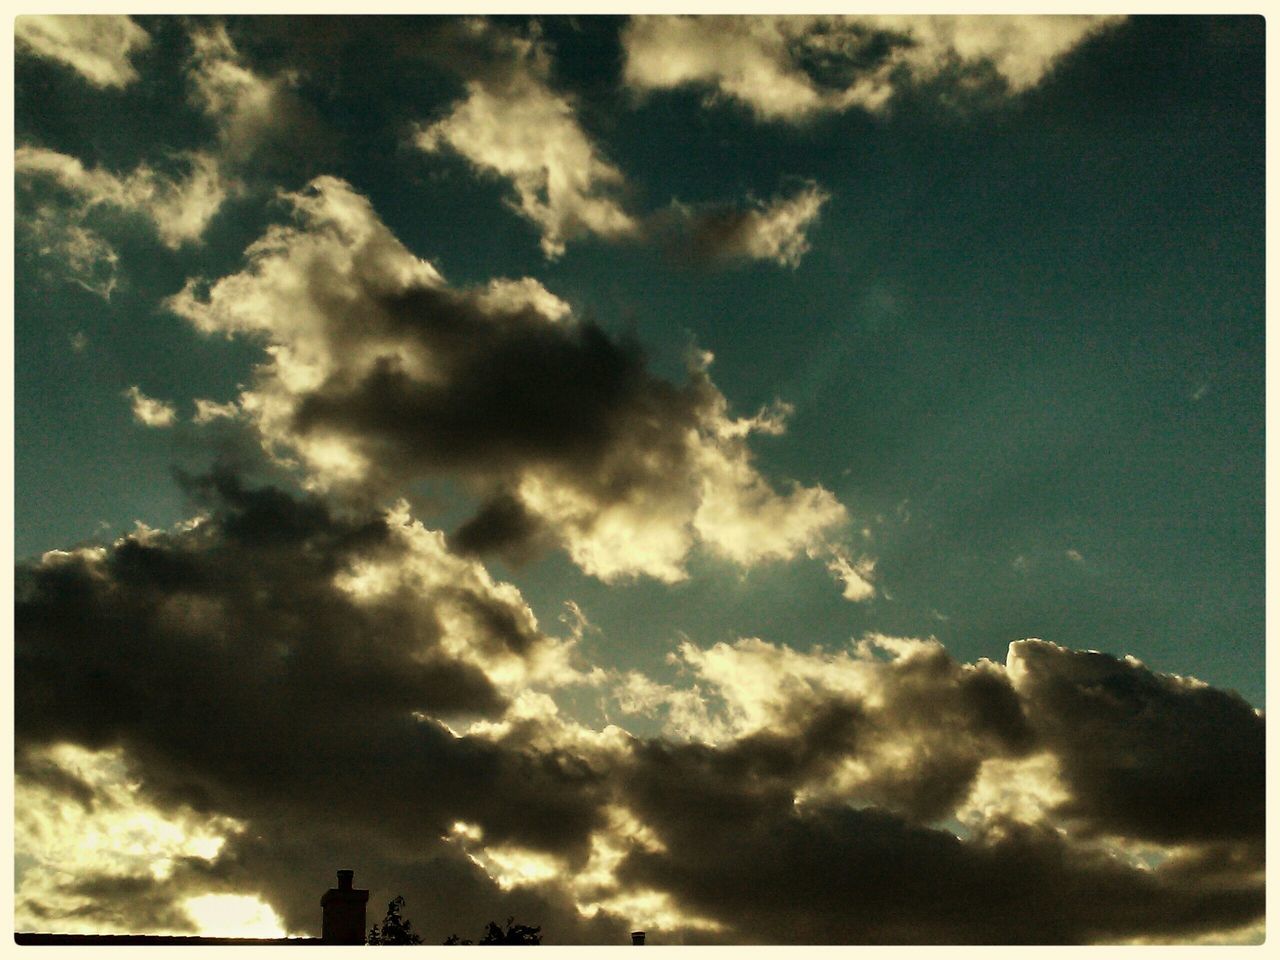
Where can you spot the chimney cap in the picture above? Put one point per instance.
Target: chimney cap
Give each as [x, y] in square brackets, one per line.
[344, 879]
[637, 938]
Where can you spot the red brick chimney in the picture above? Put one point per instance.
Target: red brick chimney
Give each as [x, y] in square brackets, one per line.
[344, 912]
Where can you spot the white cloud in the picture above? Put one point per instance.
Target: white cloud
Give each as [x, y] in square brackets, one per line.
[148, 411]
[856, 575]
[794, 67]
[209, 410]
[248, 108]
[178, 208]
[96, 47]
[627, 473]
[514, 125]
[775, 230]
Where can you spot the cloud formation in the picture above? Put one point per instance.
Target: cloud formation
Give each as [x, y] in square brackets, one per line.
[251, 114]
[87, 259]
[251, 111]
[148, 411]
[179, 207]
[774, 231]
[98, 48]
[796, 67]
[271, 663]
[379, 372]
[247, 669]
[513, 124]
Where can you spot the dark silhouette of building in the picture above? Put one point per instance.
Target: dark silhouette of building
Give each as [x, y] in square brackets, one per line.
[342, 923]
[343, 912]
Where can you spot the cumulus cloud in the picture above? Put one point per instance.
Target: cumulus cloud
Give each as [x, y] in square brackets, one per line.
[98, 48]
[148, 411]
[378, 372]
[752, 828]
[283, 687]
[513, 124]
[1165, 758]
[796, 67]
[268, 622]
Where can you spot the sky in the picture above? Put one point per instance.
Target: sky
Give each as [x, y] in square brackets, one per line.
[756, 480]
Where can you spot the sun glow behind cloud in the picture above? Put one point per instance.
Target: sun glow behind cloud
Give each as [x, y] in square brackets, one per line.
[233, 915]
[111, 832]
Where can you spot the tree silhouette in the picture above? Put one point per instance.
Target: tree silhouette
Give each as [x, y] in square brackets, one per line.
[396, 931]
[515, 934]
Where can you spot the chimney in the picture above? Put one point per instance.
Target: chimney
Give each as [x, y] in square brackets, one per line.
[637, 938]
[344, 912]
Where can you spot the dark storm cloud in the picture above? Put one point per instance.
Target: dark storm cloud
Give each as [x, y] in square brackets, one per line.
[500, 526]
[142, 902]
[757, 833]
[1146, 755]
[508, 390]
[839, 875]
[380, 373]
[241, 681]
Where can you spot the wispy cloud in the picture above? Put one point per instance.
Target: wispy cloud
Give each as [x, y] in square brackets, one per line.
[98, 48]
[796, 67]
[179, 208]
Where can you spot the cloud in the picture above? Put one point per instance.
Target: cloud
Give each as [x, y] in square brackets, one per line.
[1164, 758]
[178, 207]
[796, 67]
[823, 778]
[208, 410]
[273, 687]
[775, 231]
[87, 259]
[250, 111]
[281, 665]
[148, 411]
[378, 372]
[96, 47]
[856, 575]
[514, 125]
[772, 874]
